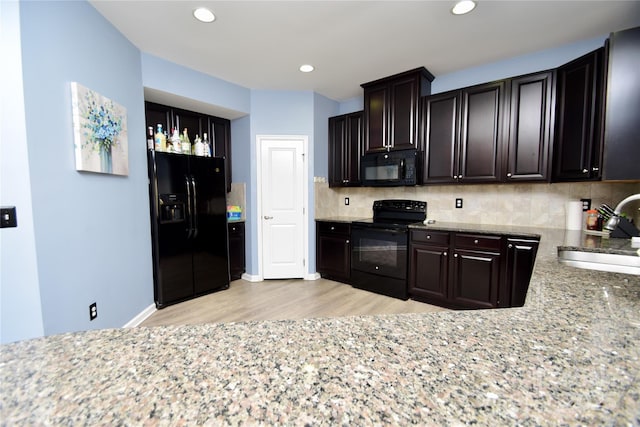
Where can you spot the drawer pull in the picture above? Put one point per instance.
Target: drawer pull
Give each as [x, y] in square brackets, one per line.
[444, 254]
[476, 241]
[455, 255]
[332, 228]
[428, 236]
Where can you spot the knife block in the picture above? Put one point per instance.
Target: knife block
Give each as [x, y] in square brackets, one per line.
[625, 230]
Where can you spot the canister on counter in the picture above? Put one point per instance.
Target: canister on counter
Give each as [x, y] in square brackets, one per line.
[592, 219]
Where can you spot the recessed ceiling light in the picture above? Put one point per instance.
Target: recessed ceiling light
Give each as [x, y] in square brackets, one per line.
[204, 15]
[306, 68]
[464, 6]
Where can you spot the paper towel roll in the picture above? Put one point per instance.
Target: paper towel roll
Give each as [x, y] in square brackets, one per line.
[574, 215]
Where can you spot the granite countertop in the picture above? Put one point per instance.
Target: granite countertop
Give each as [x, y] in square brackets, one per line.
[570, 356]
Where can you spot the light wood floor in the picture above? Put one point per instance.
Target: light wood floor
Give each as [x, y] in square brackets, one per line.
[282, 300]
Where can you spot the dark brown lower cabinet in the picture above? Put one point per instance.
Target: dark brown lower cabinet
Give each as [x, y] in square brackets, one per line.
[236, 250]
[469, 271]
[429, 265]
[333, 250]
[521, 255]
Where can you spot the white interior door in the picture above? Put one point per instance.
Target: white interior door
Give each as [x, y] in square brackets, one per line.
[282, 206]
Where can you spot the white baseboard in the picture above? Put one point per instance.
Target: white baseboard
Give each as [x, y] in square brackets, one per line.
[312, 276]
[140, 317]
[251, 278]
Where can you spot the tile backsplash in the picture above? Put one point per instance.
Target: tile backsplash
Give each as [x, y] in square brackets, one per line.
[499, 204]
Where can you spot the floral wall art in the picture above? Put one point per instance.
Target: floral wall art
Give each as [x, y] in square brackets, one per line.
[100, 132]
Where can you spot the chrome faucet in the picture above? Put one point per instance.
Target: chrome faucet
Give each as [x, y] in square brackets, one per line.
[615, 218]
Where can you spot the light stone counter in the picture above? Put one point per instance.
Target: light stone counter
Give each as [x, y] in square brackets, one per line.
[570, 356]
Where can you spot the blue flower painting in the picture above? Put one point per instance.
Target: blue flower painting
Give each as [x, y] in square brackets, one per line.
[100, 132]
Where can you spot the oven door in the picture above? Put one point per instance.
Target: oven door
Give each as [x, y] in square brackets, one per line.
[379, 251]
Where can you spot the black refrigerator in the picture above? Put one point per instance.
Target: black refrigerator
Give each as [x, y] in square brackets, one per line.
[189, 226]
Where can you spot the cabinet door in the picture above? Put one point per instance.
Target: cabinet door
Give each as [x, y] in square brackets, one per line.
[156, 114]
[521, 255]
[220, 136]
[530, 127]
[333, 251]
[345, 148]
[475, 279]
[190, 121]
[353, 149]
[404, 106]
[481, 133]
[623, 107]
[441, 124]
[375, 111]
[428, 272]
[236, 250]
[337, 143]
[578, 144]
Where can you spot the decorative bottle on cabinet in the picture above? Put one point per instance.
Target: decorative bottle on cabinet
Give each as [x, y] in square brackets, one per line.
[161, 139]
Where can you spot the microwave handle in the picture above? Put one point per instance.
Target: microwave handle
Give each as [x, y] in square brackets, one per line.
[403, 171]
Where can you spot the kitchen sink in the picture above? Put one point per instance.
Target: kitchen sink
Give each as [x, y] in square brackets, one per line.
[616, 263]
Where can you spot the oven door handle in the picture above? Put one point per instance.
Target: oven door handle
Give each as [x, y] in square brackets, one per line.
[392, 231]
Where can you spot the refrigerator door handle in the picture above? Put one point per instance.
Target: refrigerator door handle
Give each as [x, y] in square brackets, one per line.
[195, 208]
[189, 211]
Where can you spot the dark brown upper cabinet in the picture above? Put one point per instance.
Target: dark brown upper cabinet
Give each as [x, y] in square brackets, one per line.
[345, 148]
[463, 133]
[441, 136]
[481, 132]
[218, 129]
[531, 124]
[392, 110]
[577, 153]
[220, 140]
[622, 149]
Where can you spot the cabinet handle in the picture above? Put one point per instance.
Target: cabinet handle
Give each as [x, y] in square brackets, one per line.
[475, 241]
[332, 228]
[509, 175]
[346, 241]
[268, 217]
[428, 236]
[444, 254]
[595, 169]
[455, 255]
[455, 176]
[510, 246]
[585, 170]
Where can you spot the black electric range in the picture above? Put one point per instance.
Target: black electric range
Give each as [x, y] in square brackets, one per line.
[379, 260]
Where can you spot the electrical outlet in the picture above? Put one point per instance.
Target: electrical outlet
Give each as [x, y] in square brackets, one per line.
[93, 311]
[346, 201]
[458, 203]
[8, 217]
[586, 204]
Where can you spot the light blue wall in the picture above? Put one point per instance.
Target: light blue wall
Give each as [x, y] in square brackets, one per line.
[351, 105]
[323, 108]
[524, 64]
[176, 79]
[91, 230]
[20, 307]
[275, 113]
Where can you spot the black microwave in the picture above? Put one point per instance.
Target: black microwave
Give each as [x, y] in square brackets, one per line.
[393, 168]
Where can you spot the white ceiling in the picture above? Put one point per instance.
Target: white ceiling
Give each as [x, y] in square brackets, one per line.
[261, 44]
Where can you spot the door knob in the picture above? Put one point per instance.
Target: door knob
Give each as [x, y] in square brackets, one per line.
[268, 217]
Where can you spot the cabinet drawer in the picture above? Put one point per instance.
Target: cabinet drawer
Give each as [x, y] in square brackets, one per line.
[475, 241]
[334, 227]
[428, 236]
